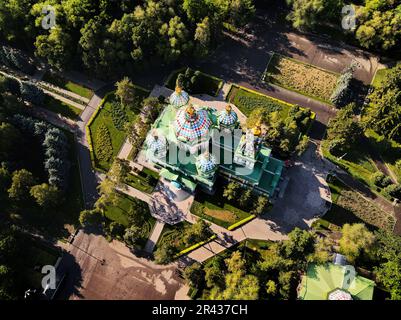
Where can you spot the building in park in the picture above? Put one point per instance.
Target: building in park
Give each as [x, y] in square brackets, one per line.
[192, 145]
[334, 282]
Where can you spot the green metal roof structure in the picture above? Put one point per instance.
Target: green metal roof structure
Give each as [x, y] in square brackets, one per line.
[264, 176]
[334, 282]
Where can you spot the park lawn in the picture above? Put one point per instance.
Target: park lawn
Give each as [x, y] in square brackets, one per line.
[217, 209]
[357, 163]
[208, 84]
[350, 207]
[389, 150]
[68, 85]
[174, 234]
[248, 100]
[379, 77]
[300, 77]
[104, 117]
[61, 108]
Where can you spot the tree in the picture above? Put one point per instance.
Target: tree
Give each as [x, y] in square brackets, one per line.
[165, 253]
[384, 110]
[56, 47]
[31, 93]
[90, 217]
[132, 235]
[300, 243]
[174, 39]
[342, 93]
[388, 272]
[356, 240]
[119, 171]
[126, 92]
[231, 191]
[245, 198]
[271, 288]
[260, 205]
[303, 145]
[379, 25]
[203, 36]
[307, 14]
[344, 131]
[22, 181]
[286, 282]
[194, 275]
[45, 196]
[9, 135]
[213, 275]
[108, 195]
[322, 251]
[199, 231]
[238, 284]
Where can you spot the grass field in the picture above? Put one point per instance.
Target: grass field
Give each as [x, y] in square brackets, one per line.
[301, 77]
[67, 85]
[350, 207]
[379, 77]
[357, 162]
[247, 101]
[61, 108]
[118, 137]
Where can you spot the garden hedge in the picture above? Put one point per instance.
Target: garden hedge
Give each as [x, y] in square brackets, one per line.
[242, 222]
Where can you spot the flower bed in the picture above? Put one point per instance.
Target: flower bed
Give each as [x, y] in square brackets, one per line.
[300, 77]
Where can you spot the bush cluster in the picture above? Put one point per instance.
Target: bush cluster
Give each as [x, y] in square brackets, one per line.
[104, 147]
[31, 92]
[55, 146]
[119, 116]
[14, 59]
[251, 103]
[342, 93]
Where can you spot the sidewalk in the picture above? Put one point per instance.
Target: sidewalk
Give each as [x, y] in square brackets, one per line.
[154, 237]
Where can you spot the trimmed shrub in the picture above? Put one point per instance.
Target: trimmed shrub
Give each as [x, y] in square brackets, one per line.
[393, 191]
[31, 93]
[342, 93]
[119, 116]
[104, 147]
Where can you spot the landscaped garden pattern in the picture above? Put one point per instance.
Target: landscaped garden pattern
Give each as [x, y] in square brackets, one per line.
[107, 128]
[206, 84]
[350, 207]
[301, 77]
[174, 234]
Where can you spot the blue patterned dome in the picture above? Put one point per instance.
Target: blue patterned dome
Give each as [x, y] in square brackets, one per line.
[206, 164]
[157, 145]
[228, 118]
[179, 98]
[192, 125]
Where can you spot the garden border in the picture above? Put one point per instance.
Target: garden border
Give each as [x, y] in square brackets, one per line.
[195, 246]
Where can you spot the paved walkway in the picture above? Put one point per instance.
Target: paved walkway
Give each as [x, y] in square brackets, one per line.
[71, 94]
[154, 237]
[64, 99]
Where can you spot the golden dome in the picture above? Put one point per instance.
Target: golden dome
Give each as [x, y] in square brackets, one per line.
[190, 110]
[178, 89]
[257, 130]
[228, 108]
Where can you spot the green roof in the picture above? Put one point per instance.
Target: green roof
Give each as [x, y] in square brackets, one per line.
[321, 280]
